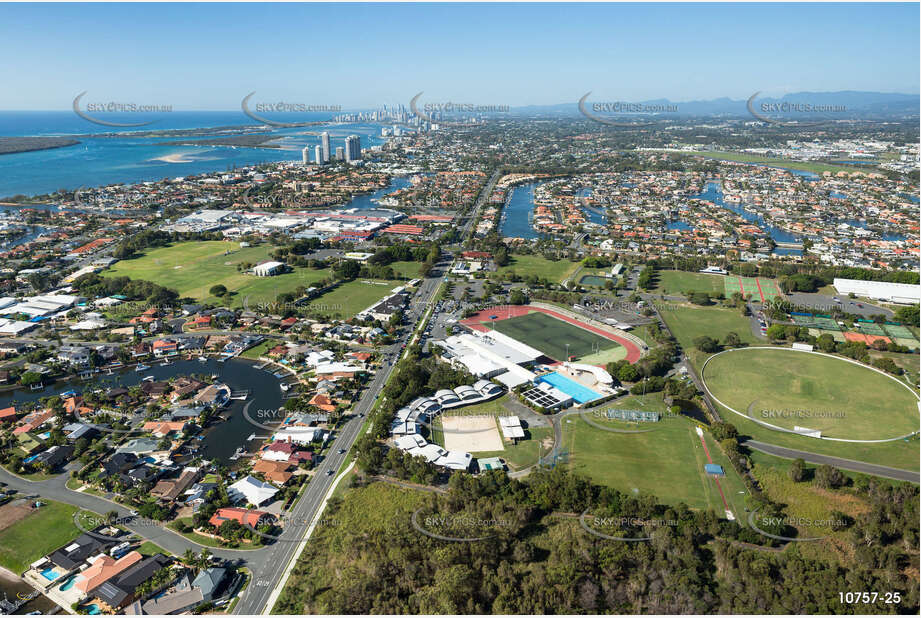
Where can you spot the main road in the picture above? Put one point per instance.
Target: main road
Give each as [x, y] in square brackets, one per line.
[274, 560]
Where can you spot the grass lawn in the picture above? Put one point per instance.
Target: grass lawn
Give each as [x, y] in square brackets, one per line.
[793, 388]
[551, 336]
[667, 462]
[902, 454]
[678, 282]
[350, 298]
[260, 349]
[149, 549]
[687, 322]
[526, 265]
[41, 532]
[815, 168]
[192, 268]
[410, 270]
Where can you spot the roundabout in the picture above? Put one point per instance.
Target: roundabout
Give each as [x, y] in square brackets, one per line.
[812, 394]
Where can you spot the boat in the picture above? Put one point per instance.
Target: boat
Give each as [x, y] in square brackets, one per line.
[148, 379]
[142, 367]
[283, 386]
[202, 359]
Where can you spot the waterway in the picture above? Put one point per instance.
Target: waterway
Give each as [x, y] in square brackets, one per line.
[516, 216]
[221, 440]
[98, 161]
[715, 195]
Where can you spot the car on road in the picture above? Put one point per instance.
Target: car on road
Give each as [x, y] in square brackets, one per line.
[329, 472]
[342, 450]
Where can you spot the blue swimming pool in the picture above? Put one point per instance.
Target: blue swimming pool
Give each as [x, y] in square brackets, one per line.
[50, 574]
[69, 583]
[572, 388]
[92, 609]
[30, 459]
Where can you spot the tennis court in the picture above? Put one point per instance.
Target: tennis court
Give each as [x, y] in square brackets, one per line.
[897, 330]
[870, 328]
[756, 288]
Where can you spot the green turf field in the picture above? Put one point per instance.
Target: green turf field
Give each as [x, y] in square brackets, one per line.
[550, 335]
[793, 388]
[688, 322]
[350, 298]
[526, 265]
[192, 268]
[679, 282]
[667, 462]
[756, 288]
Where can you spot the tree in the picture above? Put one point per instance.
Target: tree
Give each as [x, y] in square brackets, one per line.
[732, 340]
[218, 290]
[706, 344]
[828, 477]
[797, 470]
[776, 332]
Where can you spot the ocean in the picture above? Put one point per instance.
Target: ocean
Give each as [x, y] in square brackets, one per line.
[100, 161]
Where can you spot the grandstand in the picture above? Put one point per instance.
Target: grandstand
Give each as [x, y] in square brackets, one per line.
[637, 416]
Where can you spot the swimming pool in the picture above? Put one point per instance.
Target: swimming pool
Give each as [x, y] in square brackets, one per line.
[594, 280]
[50, 574]
[579, 393]
[92, 609]
[30, 459]
[69, 583]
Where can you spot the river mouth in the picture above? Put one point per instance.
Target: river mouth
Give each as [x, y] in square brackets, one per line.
[223, 436]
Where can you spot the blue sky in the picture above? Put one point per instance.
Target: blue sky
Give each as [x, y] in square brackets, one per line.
[208, 56]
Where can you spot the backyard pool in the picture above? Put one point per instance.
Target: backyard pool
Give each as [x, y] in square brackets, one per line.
[69, 583]
[50, 574]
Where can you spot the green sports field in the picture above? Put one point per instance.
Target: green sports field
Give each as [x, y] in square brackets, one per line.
[192, 268]
[680, 282]
[550, 336]
[756, 288]
[791, 388]
[526, 265]
[667, 462]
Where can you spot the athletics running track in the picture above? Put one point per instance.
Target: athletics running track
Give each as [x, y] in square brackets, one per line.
[505, 312]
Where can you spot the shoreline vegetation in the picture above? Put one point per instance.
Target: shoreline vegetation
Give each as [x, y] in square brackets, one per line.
[15, 145]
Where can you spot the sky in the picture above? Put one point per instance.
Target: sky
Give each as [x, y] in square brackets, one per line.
[209, 56]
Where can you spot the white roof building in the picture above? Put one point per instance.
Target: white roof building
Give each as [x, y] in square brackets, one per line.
[904, 293]
[252, 490]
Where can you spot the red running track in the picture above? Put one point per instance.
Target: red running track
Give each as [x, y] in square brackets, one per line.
[718, 486]
[505, 312]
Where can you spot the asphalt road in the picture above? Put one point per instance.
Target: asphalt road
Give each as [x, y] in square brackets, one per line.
[838, 462]
[274, 559]
[55, 489]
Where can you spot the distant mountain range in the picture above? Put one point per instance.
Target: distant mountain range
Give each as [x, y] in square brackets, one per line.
[856, 103]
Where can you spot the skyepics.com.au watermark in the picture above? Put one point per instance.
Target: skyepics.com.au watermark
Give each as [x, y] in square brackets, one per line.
[289, 528]
[802, 522]
[117, 107]
[802, 414]
[777, 524]
[254, 109]
[623, 528]
[617, 113]
[794, 114]
[444, 112]
[457, 528]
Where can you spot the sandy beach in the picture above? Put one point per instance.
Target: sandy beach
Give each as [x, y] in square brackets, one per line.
[174, 158]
